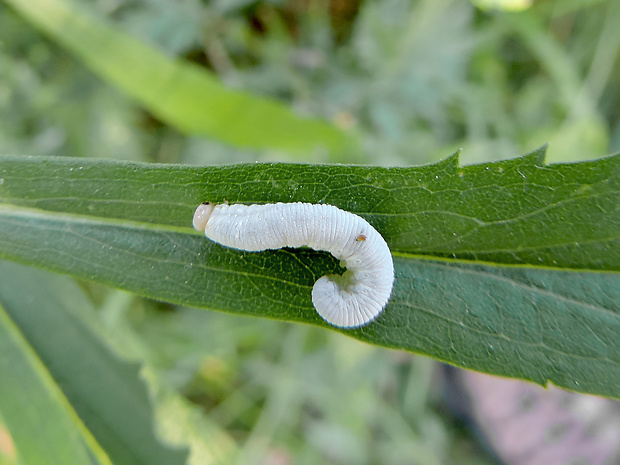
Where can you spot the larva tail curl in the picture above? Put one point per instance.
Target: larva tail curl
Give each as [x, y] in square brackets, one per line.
[347, 305]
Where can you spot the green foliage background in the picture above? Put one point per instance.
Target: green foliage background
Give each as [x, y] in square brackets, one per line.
[402, 83]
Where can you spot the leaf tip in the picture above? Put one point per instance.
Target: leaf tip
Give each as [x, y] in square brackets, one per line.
[451, 162]
[538, 156]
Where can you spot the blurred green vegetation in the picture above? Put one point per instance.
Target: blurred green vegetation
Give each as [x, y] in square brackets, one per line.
[417, 80]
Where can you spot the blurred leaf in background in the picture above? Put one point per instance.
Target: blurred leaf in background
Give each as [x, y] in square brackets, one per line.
[414, 80]
[179, 93]
[506, 5]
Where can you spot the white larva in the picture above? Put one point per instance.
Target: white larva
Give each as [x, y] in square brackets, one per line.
[348, 301]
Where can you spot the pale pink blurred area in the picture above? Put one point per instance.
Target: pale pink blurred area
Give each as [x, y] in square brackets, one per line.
[526, 424]
[7, 447]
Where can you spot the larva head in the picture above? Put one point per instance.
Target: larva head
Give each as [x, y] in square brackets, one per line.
[201, 216]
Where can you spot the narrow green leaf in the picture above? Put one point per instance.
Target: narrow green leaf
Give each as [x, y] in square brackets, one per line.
[106, 393]
[531, 323]
[180, 93]
[512, 212]
[128, 225]
[44, 427]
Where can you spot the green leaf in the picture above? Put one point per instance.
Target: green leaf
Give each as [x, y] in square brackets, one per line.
[180, 93]
[128, 225]
[511, 212]
[43, 425]
[107, 394]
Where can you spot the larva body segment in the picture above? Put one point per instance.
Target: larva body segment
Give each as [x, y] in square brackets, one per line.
[347, 301]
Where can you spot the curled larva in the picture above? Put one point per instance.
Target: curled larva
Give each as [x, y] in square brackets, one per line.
[348, 301]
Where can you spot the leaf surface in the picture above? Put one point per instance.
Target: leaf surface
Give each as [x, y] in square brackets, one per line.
[128, 225]
[106, 393]
[42, 424]
[517, 211]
